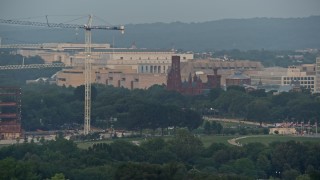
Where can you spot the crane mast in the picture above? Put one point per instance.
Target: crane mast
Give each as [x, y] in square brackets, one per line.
[87, 79]
[88, 67]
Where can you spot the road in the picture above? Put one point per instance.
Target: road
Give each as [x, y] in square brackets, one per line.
[237, 121]
[234, 141]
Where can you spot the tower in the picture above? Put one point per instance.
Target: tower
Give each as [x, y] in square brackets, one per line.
[174, 75]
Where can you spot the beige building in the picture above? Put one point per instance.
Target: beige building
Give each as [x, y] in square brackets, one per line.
[295, 75]
[271, 75]
[126, 78]
[73, 77]
[130, 80]
[318, 74]
[129, 68]
[304, 75]
[203, 67]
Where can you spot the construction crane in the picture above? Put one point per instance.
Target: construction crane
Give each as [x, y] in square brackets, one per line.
[87, 27]
[32, 66]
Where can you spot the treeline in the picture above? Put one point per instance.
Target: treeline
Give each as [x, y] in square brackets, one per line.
[182, 157]
[7, 57]
[265, 107]
[18, 77]
[52, 107]
[269, 58]
[244, 34]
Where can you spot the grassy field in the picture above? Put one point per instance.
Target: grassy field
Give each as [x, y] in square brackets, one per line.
[207, 140]
[267, 139]
[87, 144]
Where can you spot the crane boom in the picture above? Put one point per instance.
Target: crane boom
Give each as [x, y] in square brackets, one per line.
[60, 25]
[87, 82]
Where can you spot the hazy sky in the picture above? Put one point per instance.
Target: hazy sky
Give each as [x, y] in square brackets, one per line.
[149, 11]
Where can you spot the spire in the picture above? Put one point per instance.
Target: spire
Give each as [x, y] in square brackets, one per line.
[190, 78]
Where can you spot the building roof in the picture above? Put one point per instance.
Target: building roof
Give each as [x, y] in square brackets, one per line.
[238, 75]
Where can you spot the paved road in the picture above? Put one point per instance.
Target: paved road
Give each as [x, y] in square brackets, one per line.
[236, 121]
[233, 141]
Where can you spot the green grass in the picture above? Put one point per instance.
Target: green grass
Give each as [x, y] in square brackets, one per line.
[87, 144]
[207, 140]
[267, 139]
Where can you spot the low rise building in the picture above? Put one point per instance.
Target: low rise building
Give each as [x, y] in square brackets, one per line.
[238, 79]
[282, 131]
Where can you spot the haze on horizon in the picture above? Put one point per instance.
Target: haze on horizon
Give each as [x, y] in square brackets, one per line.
[148, 11]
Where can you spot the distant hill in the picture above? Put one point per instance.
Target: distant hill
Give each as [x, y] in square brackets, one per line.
[243, 34]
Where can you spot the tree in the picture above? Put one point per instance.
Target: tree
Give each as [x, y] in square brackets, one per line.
[207, 127]
[58, 176]
[236, 88]
[215, 93]
[233, 102]
[192, 119]
[79, 93]
[258, 110]
[185, 145]
[290, 174]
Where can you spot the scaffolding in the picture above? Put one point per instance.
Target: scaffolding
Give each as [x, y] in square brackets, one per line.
[10, 113]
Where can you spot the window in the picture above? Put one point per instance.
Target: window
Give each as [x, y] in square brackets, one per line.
[62, 79]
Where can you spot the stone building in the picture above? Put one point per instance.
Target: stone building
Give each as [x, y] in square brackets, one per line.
[194, 85]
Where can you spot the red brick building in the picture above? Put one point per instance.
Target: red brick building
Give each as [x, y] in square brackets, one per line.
[238, 79]
[194, 85]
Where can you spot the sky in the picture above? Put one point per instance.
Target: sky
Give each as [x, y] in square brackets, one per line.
[150, 11]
